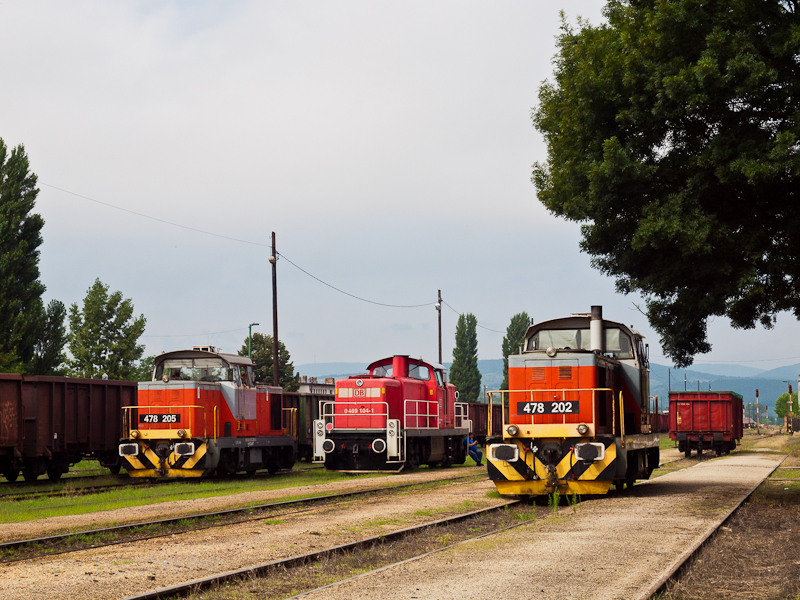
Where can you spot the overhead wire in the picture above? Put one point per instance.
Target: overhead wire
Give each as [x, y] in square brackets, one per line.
[477, 324]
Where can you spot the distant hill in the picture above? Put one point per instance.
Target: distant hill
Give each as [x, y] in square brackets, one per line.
[729, 370]
[770, 384]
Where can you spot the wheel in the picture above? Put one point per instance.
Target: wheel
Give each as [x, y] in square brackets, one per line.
[687, 453]
[251, 472]
[115, 469]
[413, 461]
[11, 475]
[272, 467]
[54, 474]
[29, 475]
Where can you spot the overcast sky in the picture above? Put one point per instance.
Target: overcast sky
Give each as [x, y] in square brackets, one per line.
[388, 144]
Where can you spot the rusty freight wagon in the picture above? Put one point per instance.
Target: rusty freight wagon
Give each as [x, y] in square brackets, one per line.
[484, 429]
[705, 421]
[49, 423]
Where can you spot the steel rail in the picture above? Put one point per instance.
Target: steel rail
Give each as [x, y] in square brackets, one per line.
[662, 581]
[294, 561]
[19, 544]
[134, 481]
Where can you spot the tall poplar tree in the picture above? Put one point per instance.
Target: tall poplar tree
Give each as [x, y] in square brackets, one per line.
[515, 334]
[464, 373]
[21, 308]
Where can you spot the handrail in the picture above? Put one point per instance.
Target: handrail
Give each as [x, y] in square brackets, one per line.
[407, 414]
[127, 413]
[461, 413]
[328, 412]
[562, 391]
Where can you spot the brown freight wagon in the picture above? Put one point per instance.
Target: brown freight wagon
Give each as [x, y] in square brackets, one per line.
[479, 415]
[50, 423]
[705, 420]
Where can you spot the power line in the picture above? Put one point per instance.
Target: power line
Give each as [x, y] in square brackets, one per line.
[478, 325]
[138, 214]
[195, 334]
[233, 239]
[353, 295]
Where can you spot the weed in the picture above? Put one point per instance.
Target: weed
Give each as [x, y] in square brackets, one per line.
[553, 501]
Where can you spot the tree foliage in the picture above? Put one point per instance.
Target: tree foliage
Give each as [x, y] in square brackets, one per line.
[49, 356]
[104, 335]
[515, 335]
[21, 309]
[782, 405]
[464, 373]
[144, 369]
[262, 357]
[673, 138]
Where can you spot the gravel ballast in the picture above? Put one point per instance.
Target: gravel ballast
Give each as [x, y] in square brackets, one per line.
[610, 548]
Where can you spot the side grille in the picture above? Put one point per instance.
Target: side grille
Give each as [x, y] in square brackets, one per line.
[537, 374]
[565, 372]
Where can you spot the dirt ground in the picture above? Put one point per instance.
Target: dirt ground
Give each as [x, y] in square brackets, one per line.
[756, 555]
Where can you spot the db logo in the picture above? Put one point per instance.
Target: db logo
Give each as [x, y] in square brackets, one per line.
[359, 392]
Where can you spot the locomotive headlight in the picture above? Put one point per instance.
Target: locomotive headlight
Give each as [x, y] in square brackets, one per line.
[583, 429]
[320, 432]
[551, 352]
[181, 433]
[134, 434]
[512, 430]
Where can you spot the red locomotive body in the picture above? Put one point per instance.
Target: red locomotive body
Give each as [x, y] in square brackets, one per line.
[401, 413]
[705, 420]
[203, 413]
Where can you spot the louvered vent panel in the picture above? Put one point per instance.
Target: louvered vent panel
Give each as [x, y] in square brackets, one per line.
[537, 374]
[565, 372]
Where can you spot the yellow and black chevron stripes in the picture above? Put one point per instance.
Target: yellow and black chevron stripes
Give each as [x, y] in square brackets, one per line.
[529, 476]
[148, 464]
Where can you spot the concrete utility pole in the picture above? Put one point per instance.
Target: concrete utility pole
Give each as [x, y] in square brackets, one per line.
[758, 415]
[250, 341]
[274, 261]
[439, 310]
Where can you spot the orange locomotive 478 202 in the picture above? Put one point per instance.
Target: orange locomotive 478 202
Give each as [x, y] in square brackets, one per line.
[203, 413]
[577, 415]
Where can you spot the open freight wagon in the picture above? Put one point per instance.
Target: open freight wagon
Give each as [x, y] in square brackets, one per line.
[705, 421]
[49, 423]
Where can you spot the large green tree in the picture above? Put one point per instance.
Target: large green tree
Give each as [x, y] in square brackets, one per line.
[262, 357]
[672, 133]
[782, 405]
[49, 356]
[104, 335]
[21, 309]
[515, 335]
[464, 373]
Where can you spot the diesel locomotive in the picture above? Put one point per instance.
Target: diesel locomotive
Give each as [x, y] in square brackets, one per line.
[400, 414]
[202, 414]
[577, 416]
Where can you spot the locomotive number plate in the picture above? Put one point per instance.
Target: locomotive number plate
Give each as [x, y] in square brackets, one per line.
[168, 418]
[549, 408]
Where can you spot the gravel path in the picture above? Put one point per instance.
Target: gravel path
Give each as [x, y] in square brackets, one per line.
[133, 568]
[611, 548]
[162, 510]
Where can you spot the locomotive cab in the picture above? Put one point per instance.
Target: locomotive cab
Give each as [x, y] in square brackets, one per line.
[203, 413]
[577, 417]
[401, 413]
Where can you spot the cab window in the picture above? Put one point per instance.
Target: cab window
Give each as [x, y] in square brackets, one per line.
[420, 372]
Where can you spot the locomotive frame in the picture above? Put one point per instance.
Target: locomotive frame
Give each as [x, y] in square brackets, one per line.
[400, 414]
[577, 417]
[203, 413]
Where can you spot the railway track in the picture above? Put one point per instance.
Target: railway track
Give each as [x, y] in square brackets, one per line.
[300, 560]
[129, 481]
[28, 549]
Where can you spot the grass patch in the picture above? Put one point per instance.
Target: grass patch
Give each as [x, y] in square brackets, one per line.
[139, 495]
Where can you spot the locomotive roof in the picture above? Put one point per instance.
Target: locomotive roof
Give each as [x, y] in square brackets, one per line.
[576, 322]
[233, 359]
[422, 360]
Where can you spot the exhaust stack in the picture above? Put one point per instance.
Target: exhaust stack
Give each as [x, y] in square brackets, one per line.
[597, 341]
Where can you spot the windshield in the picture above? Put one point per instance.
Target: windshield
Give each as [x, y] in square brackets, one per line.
[194, 369]
[382, 371]
[617, 342]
